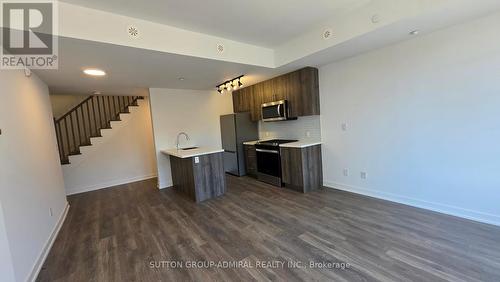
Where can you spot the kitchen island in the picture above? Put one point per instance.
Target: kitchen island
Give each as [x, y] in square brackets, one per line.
[198, 172]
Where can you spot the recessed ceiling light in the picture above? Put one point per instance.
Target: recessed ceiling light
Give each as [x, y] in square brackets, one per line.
[182, 78]
[96, 92]
[94, 72]
[415, 32]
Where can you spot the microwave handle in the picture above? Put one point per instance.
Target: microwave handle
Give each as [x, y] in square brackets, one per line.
[279, 110]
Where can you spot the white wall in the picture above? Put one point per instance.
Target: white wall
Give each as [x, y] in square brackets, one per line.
[195, 112]
[124, 154]
[6, 267]
[423, 121]
[304, 128]
[30, 173]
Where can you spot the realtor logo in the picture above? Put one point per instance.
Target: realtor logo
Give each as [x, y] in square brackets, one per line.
[28, 30]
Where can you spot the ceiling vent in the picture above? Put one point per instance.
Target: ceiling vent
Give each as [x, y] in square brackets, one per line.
[133, 32]
[327, 34]
[376, 18]
[220, 48]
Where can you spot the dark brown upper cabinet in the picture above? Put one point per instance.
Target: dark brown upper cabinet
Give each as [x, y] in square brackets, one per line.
[242, 100]
[257, 101]
[300, 88]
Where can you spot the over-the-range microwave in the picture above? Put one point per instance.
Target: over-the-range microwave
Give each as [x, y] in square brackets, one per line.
[275, 111]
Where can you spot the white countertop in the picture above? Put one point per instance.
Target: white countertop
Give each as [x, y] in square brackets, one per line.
[191, 153]
[251, 142]
[300, 144]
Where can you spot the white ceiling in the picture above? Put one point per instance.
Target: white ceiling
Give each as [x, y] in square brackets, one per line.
[134, 70]
[131, 71]
[260, 22]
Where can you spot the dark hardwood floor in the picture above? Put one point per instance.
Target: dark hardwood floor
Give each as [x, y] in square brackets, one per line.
[128, 233]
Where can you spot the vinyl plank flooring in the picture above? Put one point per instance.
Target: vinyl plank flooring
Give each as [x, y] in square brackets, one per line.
[115, 234]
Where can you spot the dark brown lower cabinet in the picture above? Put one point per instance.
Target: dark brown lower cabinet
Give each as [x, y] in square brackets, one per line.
[301, 168]
[251, 160]
[200, 180]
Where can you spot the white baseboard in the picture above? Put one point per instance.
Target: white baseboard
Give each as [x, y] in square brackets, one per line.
[437, 207]
[165, 185]
[107, 184]
[48, 245]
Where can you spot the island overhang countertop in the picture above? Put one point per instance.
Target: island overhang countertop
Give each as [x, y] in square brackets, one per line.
[199, 151]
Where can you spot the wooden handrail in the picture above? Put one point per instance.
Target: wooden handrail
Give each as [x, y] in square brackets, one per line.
[74, 108]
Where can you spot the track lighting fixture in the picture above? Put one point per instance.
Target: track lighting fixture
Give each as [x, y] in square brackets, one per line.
[229, 85]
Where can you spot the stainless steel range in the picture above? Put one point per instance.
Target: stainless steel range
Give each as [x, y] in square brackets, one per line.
[269, 161]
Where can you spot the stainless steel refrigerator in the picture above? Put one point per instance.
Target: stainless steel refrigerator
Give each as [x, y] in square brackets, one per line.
[236, 129]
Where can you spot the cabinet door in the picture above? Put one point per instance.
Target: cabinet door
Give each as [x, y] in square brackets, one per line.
[237, 101]
[309, 82]
[242, 100]
[294, 94]
[291, 168]
[257, 100]
[279, 87]
[267, 92]
[251, 160]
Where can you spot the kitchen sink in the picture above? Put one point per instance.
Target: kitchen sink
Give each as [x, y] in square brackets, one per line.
[189, 148]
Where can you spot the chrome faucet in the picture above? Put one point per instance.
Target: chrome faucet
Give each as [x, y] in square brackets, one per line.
[179, 135]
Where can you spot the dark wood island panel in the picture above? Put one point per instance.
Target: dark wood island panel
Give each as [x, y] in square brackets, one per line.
[199, 181]
[302, 168]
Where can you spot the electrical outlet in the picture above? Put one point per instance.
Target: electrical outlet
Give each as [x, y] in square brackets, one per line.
[308, 134]
[344, 126]
[196, 160]
[363, 175]
[267, 133]
[346, 172]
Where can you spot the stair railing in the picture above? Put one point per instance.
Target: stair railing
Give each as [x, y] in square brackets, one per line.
[85, 120]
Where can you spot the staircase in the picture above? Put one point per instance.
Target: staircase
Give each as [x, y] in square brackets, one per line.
[75, 128]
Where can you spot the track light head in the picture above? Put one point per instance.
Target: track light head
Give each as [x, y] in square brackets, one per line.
[229, 85]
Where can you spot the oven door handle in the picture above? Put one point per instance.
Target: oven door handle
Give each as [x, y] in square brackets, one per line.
[267, 151]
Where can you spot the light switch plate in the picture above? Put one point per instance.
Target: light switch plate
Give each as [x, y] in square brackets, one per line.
[196, 160]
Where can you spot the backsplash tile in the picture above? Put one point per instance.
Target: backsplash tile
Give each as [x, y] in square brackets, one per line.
[292, 129]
